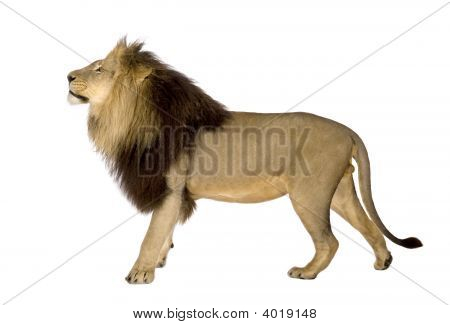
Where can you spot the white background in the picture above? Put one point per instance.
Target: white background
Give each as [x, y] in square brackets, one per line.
[57, 196]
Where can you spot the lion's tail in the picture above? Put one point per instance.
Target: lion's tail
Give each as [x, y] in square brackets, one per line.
[362, 158]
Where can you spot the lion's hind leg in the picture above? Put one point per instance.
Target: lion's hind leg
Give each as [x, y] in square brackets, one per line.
[316, 220]
[346, 203]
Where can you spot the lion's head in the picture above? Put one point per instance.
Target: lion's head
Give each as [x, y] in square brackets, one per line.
[93, 83]
[138, 105]
[117, 90]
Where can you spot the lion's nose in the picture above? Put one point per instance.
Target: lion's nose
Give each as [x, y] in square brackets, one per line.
[70, 78]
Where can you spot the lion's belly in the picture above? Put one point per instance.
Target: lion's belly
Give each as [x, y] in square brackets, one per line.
[242, 190]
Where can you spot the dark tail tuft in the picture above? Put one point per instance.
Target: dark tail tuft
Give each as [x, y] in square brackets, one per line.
[411, 242]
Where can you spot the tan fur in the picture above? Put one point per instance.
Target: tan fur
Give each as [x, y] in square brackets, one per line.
[110, 94]
[313, 164]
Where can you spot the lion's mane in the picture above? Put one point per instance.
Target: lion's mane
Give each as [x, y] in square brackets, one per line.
[146, 124]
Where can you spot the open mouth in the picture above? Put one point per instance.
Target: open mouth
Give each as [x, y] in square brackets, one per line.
[82, 98]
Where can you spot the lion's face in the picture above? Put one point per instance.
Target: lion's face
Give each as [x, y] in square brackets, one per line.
[93, 83]
[116, 76]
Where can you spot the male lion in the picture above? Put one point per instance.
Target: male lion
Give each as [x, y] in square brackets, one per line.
[168, 143]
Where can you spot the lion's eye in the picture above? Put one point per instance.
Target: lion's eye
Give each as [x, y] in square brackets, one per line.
[99, 69]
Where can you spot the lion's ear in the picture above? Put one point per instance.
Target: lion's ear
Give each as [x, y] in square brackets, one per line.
[141, 73]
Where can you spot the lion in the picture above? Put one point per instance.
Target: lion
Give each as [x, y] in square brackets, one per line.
[168, 144]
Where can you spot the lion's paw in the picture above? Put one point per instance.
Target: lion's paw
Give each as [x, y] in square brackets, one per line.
[163, 261]
[383, 264]
[140, 276]
[301, 273]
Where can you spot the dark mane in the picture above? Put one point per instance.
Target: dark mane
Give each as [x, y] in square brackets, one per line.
[182, 109]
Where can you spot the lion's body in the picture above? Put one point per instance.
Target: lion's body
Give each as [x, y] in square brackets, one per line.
[168, 144]
[247, 177]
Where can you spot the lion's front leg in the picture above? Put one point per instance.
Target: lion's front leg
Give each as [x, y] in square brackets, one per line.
[168, 244]
[160, 229]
